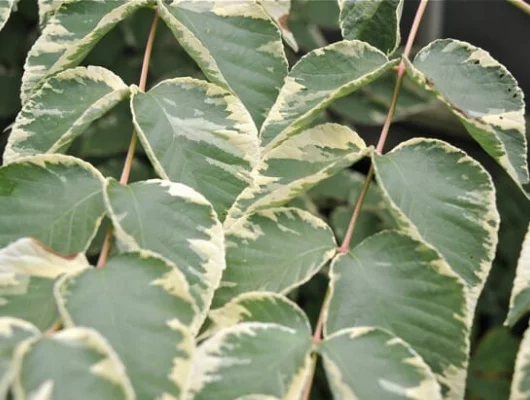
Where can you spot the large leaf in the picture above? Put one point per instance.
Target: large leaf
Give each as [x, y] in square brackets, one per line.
[142, 306]
[69, 35]
[397, 283]
[521, 376]
[28, 272]
[447, 199]
[64, 107]
[199, 134]
[316, 80]
[6, 8]
[176, 222]
[369, 363]
[484, 96]
[235, 44]
[253, 262]
[374, 22]
[55, 199]
[72, 361]
[520, 298]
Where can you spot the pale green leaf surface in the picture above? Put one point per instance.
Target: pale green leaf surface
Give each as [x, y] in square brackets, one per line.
[369, 363]
[142, 306]
[253, 259]
[198, 134]
[6, 8]
[320, 77]
[74, 362]
[235, 44]
[278, 10]
[62, 109]
[374, 22]
[520, 297]
[47, 9]
[177, 223]
[394, 282]
[520, 389]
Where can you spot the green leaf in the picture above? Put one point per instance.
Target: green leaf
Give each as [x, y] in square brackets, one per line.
[55, 199]
[252, 358]
[69, 35]
[62, 109]
[72, 361]
[324, 13]
[521, 376]
[484, 96]
[253, 262]
[13, 332]
[6, 8]
[320, 77]
[278, 10]
[198, 134]
[369, 363]
[235, 44]
[443, 197]
[177, 223]
[395, 282]
[142, 306]
[374, 22]
[520, 297]
[47, 9]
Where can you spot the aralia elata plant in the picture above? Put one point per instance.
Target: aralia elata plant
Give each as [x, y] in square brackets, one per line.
[193, 301]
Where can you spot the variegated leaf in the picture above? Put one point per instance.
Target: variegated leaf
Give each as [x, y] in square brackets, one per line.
[69, 35]
[198, 134]
[177, 223]
[278, 10]
[47, 9]
[62, 109]
[520, 298]
[445, 198]
[76, 362]
[142, 306]
[253, 262]
[6, 8]
[250, 360]
[53, 198]
[484, 96]
[235, 44]
[370, 363]
[395, 282]
[520, 389]
[28, 272]
[13, 332]
[374, 22]
[320, 77]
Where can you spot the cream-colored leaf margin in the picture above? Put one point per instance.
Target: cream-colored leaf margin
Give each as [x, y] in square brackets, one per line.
[6, 8]
[521, 283]
[279, 10]
[520, 389]
[46, 10]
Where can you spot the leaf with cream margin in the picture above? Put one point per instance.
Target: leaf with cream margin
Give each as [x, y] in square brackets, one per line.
[52, 198]
[296, 165]
[6, 8]
[370, 363]
[77, 360]
[13, 332]
[520, 389]
[28, 272]
[198, 134]
[142, 306]
[253, 262]
[520, 297]
[484, 96]
[236, 45]
[62, 109]
[374, 22]
[315, 81]
[279, 10]
[445, 198]
[69, 35]
[395, 282]
[179, 224]
[252, 359]
[47, 9]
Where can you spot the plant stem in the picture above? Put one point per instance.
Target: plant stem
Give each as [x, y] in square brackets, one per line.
[521, 5]
[126, 171]
[307, 388]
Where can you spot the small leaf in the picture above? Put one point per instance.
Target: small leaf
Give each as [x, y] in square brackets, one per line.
[72, 361]
[235, 44]
[320, 77]
[6, 8]
[198, 134]
[253, 262]
[521, 376]
[142, 306]
[278, 10]
[369, 363]
[520, 298]
[62, 109]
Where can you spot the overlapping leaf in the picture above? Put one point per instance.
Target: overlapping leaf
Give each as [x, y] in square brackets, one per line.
[142, 306]
[253, 262]
[235, 44]
[369, 363]
[520, 297]
[520, 389]
[6, 8]
[62, 109]
[198, 134]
